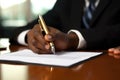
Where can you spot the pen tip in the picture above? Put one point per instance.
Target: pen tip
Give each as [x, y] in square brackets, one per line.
[53, 49]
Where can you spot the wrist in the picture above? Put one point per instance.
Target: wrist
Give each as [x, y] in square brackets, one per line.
[73, 41]
[81, 42]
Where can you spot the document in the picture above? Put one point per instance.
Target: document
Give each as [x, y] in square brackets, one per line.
[65, 59]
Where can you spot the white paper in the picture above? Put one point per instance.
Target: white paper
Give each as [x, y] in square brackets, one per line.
[59, 59]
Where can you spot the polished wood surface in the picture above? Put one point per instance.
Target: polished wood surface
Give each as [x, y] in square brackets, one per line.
[103, 67]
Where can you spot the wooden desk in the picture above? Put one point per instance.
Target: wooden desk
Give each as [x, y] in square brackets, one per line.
[100, 68]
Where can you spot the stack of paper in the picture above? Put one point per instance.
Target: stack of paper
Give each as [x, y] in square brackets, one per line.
[65, 59]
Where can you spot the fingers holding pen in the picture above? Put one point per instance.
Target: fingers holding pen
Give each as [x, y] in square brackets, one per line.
[31, 41]
[36, 41]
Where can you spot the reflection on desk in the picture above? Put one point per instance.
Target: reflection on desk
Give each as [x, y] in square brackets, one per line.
[14, 72]
[102, 68]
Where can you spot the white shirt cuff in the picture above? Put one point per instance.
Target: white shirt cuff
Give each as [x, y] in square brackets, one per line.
[21, 37]
[82, 42]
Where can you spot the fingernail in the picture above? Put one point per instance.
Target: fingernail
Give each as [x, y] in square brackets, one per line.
[47, 46]
[49, 37]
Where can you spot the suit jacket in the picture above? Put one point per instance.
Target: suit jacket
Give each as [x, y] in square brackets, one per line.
[105, 24]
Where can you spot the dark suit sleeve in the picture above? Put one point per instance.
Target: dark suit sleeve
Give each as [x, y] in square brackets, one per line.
[102, 37]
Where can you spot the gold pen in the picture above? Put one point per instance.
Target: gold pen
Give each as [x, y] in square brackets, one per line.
[45, 29]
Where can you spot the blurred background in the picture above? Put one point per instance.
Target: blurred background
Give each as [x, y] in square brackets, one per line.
[17, 13]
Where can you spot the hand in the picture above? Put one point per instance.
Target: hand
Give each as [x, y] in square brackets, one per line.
[115, 52]
[40, 44]
[36, 40]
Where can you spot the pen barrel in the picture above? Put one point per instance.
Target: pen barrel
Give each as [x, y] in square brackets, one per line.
[43, 25]
[45, 29]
